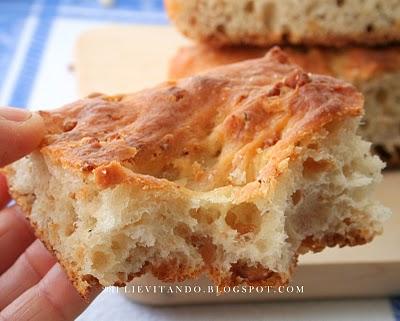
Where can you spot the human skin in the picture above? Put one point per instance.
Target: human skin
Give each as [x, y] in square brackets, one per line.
[33, 285]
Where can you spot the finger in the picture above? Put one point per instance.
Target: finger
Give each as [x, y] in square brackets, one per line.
[52, 299]
[27, 271]
[20, 133]
[15, 236]
[4, 196]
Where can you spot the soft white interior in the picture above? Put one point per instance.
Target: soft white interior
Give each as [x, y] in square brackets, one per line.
[112, 232]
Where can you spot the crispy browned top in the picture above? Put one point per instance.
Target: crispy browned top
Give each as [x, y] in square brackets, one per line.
[202, 132]
[351, 64]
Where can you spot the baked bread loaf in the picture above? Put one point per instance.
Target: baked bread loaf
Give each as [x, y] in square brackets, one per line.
[279, 22]
[375, 72]
[233, 173]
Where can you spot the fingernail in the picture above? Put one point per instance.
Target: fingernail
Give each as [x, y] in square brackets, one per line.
[14, 114]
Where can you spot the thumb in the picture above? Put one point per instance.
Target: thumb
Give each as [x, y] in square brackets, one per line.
[20, 133]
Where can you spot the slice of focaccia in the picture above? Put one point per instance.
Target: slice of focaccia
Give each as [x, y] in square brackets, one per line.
[232, 173]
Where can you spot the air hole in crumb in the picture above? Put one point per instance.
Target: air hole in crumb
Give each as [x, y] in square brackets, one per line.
[121, 276]
[339, 3]
[286, 36]
[268, 13]
[244, 218]
[346, 170]
[313, 146]
[205, 216]
[241, 98]
[90, 222]
[115, 245]
[249, 7]
[170, 172]
[69, 125]
[205, 247]
[369, 27]
[252, 273]
[99, 260]
[218, 152]
[70, 228]
[382, 152]
[179, 95]
[192, 21]
[220, 29]
[119, 244]
[347, 221]
[182, 230]
[312, 167]
[296, 197]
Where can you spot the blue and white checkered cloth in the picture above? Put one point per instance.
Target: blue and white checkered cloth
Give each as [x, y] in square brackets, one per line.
[36, 45]
[37, 38]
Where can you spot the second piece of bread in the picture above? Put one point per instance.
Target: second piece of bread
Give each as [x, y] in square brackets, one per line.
[277, 22]
[375, 72]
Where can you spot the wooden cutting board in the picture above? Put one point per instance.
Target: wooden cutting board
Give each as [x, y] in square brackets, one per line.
[117, 59]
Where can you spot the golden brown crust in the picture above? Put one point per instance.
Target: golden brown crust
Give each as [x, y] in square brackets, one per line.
[351, 64]
[226, 107]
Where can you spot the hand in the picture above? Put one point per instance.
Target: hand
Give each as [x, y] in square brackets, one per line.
[33, 285]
